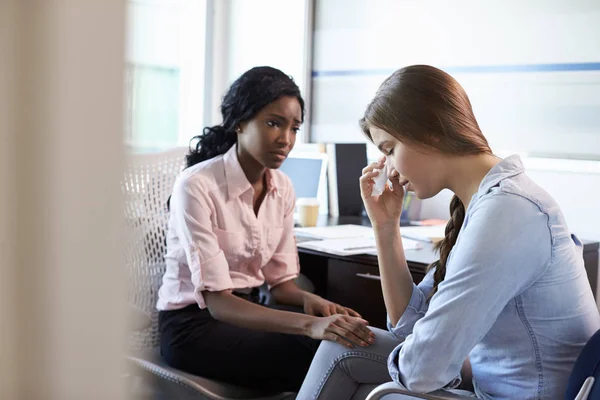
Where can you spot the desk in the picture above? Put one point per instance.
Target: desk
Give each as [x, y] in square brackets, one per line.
[353, 281]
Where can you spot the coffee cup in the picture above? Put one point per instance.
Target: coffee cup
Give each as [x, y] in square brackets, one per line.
[308, 211]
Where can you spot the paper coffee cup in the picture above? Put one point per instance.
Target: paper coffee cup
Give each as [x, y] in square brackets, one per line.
[308, 211]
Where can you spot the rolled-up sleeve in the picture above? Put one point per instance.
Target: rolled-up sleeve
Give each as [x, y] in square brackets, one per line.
[416, 309]
[284, 265]
[503, 248]
[191, 211]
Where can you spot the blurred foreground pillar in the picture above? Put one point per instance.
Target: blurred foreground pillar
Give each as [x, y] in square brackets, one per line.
[62, 319]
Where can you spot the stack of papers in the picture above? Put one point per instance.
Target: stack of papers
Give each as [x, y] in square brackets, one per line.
[345, 240]
[335, 232]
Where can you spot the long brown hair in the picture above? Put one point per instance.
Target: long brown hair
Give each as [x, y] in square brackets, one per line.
[424, 105]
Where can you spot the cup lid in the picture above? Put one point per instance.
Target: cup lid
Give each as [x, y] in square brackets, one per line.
[307, 201]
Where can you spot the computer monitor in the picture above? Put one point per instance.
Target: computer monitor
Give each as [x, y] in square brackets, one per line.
[346, 161]
[308, 172]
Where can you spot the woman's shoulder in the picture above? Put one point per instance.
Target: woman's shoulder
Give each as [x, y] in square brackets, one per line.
[510, 213]
[517, 196]
[508, 227]
[207, 175]
[505, 205]
[524, 187]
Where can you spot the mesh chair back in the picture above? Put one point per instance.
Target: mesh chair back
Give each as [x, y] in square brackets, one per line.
[147, 185]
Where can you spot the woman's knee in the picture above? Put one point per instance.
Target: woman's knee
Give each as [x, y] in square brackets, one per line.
[385, 342]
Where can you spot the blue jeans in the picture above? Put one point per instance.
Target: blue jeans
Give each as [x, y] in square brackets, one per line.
[338, 372]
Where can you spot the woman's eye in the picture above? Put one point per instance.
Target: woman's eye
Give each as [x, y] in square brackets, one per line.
[296, 130]
[390, 152]
[273, 124]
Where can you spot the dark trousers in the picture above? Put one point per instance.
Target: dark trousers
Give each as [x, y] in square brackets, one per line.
[193, 341]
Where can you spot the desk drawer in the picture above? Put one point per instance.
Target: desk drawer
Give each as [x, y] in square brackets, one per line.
[357, 286]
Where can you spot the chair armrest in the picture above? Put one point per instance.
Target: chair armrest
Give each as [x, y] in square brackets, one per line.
[393, 388]
[586, 388]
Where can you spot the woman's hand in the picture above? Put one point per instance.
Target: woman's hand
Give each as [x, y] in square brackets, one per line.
[343, 329]
[386, 208]
[318, 306]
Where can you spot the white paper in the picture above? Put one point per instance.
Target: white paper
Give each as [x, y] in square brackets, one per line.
[352, 246]
[423, 233]
[335, 232]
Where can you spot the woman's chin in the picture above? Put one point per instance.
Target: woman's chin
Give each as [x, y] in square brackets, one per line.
[422, 194]
[411, 188]
[273, 164]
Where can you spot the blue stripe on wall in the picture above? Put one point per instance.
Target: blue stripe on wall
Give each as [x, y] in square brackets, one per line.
[478, 69]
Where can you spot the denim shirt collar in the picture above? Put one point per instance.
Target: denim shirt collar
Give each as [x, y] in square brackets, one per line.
[507, 168]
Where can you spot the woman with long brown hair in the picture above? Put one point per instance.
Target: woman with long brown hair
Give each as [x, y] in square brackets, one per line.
[509, 292]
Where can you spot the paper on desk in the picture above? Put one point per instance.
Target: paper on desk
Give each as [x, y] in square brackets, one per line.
[335, 232]
[430, 234]
[352, 246]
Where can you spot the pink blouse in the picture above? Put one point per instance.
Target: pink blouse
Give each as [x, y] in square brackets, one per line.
[215, 241]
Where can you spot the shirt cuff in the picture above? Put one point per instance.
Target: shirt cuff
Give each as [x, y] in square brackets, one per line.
[415, 310]
[393, 364]
[211, 275]
[281, 268]
[396, 375]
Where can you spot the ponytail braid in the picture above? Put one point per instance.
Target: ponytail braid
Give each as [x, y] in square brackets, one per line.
[457, 217]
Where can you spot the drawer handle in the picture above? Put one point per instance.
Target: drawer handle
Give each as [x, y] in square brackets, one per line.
[369, 276]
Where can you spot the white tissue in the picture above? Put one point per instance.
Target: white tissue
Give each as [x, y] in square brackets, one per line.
[380, 181]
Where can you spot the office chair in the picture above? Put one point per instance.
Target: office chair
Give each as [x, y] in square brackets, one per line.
[147, 184]
[585, 372]
[580, 386]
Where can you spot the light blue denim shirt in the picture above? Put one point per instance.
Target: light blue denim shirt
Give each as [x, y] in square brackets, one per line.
[516, 299]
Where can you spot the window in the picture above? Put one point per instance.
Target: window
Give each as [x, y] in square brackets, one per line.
[532, 72]
[165, 73]
[274, 33]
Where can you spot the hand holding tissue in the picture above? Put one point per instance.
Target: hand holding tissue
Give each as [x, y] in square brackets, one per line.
[380, 181]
